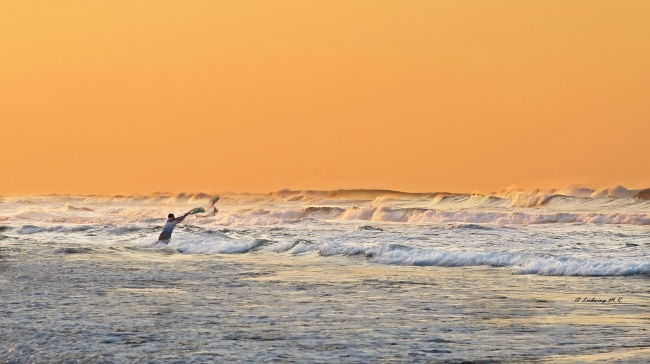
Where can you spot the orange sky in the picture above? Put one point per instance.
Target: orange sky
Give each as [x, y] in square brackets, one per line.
[143, 96]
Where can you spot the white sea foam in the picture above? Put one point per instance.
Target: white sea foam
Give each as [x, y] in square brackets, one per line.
[218, 246]
[342, 261]
[487, 210]
[385, 227]
[521, 263]
[581, 267]
[399, 254]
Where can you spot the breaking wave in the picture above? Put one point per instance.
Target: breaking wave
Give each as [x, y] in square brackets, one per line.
[74, 208]
[381, 226]
[223, 246]
[397, 254]
[263, 216]
[521, 263]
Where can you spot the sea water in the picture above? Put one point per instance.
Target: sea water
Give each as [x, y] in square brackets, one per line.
[327, 276]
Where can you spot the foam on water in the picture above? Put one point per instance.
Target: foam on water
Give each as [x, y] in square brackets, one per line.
[522, 263]
[608, 206]
[343, 244]
[307, 276]
[469, 229]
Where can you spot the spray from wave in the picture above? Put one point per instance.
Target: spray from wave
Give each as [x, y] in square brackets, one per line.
[616, 205]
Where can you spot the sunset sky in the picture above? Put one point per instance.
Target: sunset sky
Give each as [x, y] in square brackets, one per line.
[186, 96]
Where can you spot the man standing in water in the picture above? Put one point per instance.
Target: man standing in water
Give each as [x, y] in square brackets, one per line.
[166, 234]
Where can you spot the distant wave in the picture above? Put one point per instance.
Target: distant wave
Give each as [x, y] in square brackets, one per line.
[616, 205]
[74, 208]
[514, 198]
[33, 229]
[349, 194]
[644, 194]
[518, 197]
[423, 215]
[610, 192]
[577, 212]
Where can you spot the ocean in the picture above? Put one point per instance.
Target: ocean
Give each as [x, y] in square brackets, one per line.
[356, 276]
